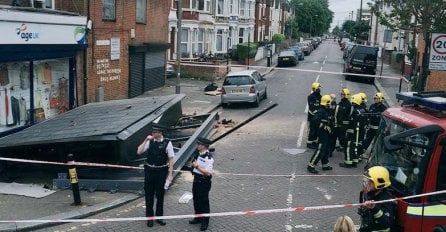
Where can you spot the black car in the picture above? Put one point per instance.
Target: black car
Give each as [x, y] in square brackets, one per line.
[287, 58]
[361, 60]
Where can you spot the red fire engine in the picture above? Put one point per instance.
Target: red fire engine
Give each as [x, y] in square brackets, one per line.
[411, 144]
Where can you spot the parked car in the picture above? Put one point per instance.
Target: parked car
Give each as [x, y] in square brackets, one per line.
[170, 70]
[243, 86]
[348, 49]
[287, 58]
[361, 60]
[298, 51]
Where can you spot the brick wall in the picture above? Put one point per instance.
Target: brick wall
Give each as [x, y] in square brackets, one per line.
[210, 73]
[437, 79]
[113, 75]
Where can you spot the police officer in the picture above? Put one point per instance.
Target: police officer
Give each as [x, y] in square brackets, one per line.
[376, 217]
[314, 100]
[202, 170]
[157, 168]
[324, 131]
[375, 111]
[342, 117]
[355, 133]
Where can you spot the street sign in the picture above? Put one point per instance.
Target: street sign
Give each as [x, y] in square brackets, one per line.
[437, 59]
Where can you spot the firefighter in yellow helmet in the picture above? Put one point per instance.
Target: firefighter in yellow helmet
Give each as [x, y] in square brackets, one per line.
[314, 100]
[342, 117]
[376, 217]
[321, 124]
[354, 133]
[375, 111]
[364, 100]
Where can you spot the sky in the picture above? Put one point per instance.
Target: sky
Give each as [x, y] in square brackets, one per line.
[342, 10]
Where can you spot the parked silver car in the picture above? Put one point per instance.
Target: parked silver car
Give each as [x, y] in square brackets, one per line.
[244, 86]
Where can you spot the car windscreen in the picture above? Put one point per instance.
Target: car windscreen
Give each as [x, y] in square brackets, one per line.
[364, 55]
[237, 80]
[286, 53]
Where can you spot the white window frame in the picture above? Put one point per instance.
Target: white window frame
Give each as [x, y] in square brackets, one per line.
[218, 7]
[201, 41]
[219, 40]
[141, 11]
[231, 7]
[242, 10]
[208, 6]
[184, 42]
[241, 35]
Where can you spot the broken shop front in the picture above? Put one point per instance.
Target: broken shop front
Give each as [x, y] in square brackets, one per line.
[37, 66]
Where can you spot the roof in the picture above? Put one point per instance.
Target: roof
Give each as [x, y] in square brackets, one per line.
[110, 120]
[414, 117]
[241, 73]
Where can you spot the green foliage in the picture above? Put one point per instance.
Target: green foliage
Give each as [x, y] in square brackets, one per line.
[336, 30]
[425, 17]
[278, 38]
[291, 28]
[356, 29]
[243, 50]
[313, 16]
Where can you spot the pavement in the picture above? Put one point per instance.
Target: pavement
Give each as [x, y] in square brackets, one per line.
[59, 205]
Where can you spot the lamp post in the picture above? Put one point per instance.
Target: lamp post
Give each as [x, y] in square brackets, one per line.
[227, 54]
[249, 45]
[311, 24]
[178, 61]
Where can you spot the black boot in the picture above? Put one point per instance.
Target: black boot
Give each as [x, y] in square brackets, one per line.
[312, 170]
[161, 222]
[195, 221]
[150, 223]
[344, 165]
[204, 225]
[327, 168]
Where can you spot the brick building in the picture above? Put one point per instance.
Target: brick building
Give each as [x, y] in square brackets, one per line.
[126, 47]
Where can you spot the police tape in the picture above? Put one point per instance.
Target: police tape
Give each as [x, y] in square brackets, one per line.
[222, 214]
[89, 164]
[302, 70]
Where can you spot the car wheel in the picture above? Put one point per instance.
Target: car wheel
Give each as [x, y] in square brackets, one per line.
[257, 102]
[265, 96]
[372, 80]
[347, 77]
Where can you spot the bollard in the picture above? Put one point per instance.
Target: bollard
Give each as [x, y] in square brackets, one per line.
[268, 61]
[74, 181]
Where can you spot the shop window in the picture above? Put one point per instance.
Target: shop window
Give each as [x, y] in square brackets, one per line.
[141, 10]
[108, 10]
[50, 91]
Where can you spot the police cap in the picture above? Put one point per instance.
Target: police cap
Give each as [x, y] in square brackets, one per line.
[158, 127]
[204, 141]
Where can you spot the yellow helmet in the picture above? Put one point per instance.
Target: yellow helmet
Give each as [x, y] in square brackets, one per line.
[379, 96]
[326, 100]
[346, 92]
[356, 99]
[379, 175]
[316, 86]
[363, 96]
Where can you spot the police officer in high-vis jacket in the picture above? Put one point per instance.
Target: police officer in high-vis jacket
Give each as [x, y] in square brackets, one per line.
[342, 117]
[314, 100]
[376, 217]
[355, 133]
[203, 166]
[375, 111]
[157, 168]
[323, 129]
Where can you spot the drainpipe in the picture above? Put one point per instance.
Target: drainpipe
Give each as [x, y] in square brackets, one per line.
[85, 56]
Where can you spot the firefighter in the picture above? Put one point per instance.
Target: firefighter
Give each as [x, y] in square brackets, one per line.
[376, 217]
[375, 110]
[314, 100]
[364, 101]
[342, 117]
[355, 133]
[331, 120]
[323, 129]
[203, 166]
[157, 168]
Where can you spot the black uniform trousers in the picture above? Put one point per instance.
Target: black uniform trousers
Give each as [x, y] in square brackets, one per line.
[154, 181]
[322, 152]
[370, 135]
[200, 191]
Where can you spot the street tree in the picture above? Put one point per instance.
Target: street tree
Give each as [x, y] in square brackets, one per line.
[313, 16]
[419, 16]
[291, 28]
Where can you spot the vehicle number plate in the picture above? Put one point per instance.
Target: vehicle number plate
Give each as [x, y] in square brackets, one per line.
[357, 68]
[237, 91]
[285, 59]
